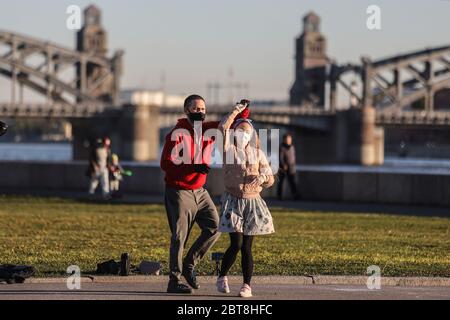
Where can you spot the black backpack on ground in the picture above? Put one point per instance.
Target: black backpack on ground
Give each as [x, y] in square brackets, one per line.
[108, 267]
[112, 267]
[10, 273]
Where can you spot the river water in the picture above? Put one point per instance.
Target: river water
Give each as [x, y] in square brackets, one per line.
[36, 151]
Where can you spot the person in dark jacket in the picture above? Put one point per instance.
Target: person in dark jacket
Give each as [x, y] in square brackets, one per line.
[287, 167]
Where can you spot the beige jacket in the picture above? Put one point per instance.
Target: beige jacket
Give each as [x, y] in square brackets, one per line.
[239, 169]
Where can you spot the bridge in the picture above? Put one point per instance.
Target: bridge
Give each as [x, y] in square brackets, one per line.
[80, 97]
[275, 115]
[83, 86]
[314, 118]
[43, 67]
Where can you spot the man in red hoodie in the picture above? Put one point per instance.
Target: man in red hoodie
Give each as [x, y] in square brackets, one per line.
[185, 160]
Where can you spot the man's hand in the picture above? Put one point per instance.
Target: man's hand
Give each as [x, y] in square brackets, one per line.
[202, 168]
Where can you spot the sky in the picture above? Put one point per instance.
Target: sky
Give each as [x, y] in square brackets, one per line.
[198, 41]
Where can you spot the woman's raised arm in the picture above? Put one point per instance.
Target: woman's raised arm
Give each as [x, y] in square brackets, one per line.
[226, 123]
[228, 120]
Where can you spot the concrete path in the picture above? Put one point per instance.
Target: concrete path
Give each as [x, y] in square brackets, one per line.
[264, 288]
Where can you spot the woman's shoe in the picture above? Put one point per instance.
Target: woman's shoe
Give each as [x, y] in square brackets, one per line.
[246, 291]
[222, 285]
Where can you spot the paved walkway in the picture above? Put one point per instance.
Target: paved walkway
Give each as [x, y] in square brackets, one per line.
[264, 288]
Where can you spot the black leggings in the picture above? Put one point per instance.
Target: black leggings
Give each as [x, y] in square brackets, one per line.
[244, 244]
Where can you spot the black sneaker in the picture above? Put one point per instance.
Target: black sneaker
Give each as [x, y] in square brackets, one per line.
[191, 278]
[177, 287]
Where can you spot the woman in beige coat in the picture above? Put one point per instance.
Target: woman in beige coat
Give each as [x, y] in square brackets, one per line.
[244, 213]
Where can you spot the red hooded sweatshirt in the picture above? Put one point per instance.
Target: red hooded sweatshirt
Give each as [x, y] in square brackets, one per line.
[177, 159]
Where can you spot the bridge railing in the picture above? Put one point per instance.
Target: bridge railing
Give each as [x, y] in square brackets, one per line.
[272, 110]
[434, 118]
[53, 111]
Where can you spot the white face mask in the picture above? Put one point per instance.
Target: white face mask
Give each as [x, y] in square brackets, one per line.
[243, 138]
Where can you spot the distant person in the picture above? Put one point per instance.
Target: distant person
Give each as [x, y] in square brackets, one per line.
[287, 168]
[98, 166]
[244, 214]
[186, 201]
[116, 173]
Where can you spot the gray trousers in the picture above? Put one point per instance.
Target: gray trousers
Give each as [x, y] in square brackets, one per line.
[101, 177]
[184, 208]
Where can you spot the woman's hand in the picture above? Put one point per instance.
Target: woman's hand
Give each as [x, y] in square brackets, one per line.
[256, 181]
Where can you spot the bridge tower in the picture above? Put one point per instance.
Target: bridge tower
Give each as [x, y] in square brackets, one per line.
[311, 62]
[133, 135]
[92, 39]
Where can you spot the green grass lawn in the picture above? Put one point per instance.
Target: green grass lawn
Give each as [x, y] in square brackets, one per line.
[52, 234]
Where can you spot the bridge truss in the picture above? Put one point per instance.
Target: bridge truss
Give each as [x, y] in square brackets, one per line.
[57, 73]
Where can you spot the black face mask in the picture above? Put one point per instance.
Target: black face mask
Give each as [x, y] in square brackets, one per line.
[196, 116]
